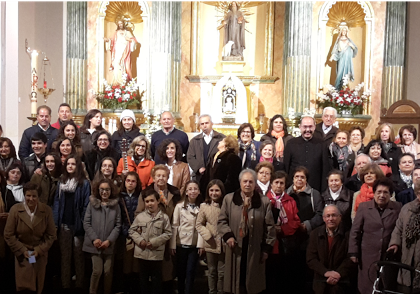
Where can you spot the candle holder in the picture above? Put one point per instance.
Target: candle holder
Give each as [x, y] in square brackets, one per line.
[46, 92]
[261, 117]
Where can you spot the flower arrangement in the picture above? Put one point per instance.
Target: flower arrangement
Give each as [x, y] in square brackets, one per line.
[153, 124]
[119, 96]
[346, 100]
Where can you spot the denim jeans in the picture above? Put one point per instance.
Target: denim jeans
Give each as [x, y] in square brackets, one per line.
[186, 263]
[152, 269]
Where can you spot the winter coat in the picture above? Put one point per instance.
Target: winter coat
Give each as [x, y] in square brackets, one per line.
[22, 235]
[409, 256]
[180, 176]
[248, 162]
[261, 234]
[206, 226]
[399, 184]
[319, 133]
[30, 164]
[369, 238]
[131, 205]
[227, 168]
[394, 155]
[344, 203]
[156, 230]
[353, 183]
[144, 170]
[86, 139]
[48, 186]
[25, 146]
[406, 196]
[81, 201]
[183, 227]
[320, 259]
[94, 157]
[117, 138]
[195, 156]
[103, 223]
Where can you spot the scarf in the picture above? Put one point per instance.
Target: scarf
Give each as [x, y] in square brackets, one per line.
[387, 147]
[263, 187]
[216, 155]
[411, 149]
[69, 186]
[243, 226]
[412, 230]
[137, 159]
[263, 159]
[29, 212]
[279, 143]
[408, 180]
[17, 191]
[245, 147]
[282, 219]
[341, 154]
[366, 194]
[5, 163]
[162, 198]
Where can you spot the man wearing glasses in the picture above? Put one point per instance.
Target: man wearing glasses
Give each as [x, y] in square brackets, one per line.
[325, 129]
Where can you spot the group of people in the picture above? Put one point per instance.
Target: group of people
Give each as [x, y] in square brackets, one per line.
[312, 213]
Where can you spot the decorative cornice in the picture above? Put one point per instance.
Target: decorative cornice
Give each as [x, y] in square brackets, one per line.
[247, 80]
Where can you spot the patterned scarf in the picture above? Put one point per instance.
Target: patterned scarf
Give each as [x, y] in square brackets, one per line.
[279, 205]
[5, 163]
[279, 143]
[412, 230]
[69, 186]
[408, 180]
[341, 154]
[162, 198]
[245, 147]
[366, 194]
[387, 147]
[243, 227]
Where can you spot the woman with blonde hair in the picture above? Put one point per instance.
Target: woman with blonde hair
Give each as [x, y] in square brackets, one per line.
[385, 134]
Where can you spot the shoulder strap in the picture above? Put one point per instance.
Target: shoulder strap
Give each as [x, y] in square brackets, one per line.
[126, 211]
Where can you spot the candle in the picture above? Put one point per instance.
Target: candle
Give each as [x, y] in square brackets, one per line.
[34, 68]
[33, 107]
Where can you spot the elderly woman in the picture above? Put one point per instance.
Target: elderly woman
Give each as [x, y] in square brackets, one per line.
[69, 130]
[405, 238]
[101, 150]
[30, 232]
[170, 152]
[340, 150]
[91, 126]
[248, 148]
[264, 172]
[127, 130]
[224, 166]
[385, 134]
[268, 152]
[247, 226]
[138, 160]
[277, 135]
[403, 177]
[371, 232]
[7, 154]
[13, 192]
[340, 196]
[377, 153]
[368, 175]
[408, 136]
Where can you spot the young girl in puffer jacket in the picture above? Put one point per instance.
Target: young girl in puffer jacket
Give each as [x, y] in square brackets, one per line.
[186, 243]
[207, 228]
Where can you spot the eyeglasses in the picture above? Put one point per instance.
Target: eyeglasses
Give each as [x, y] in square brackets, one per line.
[107, 190]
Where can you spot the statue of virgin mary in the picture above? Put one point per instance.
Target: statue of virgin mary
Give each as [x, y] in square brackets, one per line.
[343, 52]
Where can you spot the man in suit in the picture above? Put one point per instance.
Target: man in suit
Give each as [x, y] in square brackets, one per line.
[203, 146]
[325, 130]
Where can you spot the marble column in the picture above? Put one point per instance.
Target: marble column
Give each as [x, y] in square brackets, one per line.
[297, 55]
[394, 53]
[76, 55]
[165, 56]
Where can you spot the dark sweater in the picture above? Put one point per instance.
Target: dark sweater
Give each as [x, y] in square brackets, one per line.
[176, 134]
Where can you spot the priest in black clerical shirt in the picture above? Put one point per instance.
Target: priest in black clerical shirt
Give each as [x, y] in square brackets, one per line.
[309, 152]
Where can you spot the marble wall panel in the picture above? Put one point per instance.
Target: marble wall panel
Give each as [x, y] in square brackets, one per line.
[92, 66]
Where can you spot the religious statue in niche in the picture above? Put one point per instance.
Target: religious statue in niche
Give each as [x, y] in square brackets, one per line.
[343, 52]
[228, 102]
[233, 21]
[121, 44]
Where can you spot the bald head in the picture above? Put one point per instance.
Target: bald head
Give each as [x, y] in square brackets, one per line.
[167, 120]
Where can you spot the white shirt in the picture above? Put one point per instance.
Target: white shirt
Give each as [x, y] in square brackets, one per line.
[171, 173]
[264, 187]
[336, 194]
[326, 129]
[91, 131]
[207, 138]
[43, 128]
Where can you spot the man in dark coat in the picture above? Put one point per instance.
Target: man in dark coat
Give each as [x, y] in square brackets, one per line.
[327, 255]
[325, 130]
[354, 183]
[43, 117]
[309, 152]
[203, 146]
[408, 195]
[168, 131]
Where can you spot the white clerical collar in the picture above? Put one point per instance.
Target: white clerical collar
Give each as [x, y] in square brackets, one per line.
[336, 194]
[326, 129]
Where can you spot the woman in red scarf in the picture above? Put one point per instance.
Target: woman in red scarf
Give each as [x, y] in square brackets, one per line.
[368, 175]
[278, 135]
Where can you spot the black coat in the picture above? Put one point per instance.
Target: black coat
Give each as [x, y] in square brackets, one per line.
[312, 154]
[30, 164]
[227, 168]
[25, 146]
[394, 155]
[406, 196]
[117, 138]
[87, 139]
[353, 183]
[344, 203]
[94, 157]
[399, 184]
[319, 133]
[131, 204]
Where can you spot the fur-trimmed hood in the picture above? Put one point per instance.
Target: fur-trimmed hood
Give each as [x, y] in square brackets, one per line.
[96, 203]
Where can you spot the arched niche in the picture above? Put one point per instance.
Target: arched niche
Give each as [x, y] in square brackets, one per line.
[142, 62]
[367, 39]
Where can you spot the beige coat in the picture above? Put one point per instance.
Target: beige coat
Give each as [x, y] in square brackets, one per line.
[207, 226]
[181, 175]
[156, 230]
[262, 236]
[183, 227]
[22, 235]
[398, 238]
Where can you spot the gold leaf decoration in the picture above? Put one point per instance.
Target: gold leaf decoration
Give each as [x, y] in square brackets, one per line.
[130, 11]
[350, 12]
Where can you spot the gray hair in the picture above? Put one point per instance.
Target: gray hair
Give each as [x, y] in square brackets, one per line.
[248, 171]
[173, 117]
[363, 154]
[330, 108]
[205, 115]
[331, 205]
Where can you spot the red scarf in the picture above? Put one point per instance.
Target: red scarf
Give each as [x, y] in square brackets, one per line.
[366, 194]
[279, 143]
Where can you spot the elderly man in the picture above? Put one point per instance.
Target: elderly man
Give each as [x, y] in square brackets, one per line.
[203, 146]
[64, 114]
[408, 195]
[246, 225]
[354, 183]
[327, 254]
[325, 130]
[309, 152]
[43, 117]
[168, 131]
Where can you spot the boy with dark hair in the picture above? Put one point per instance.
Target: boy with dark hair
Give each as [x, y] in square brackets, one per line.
[33, 162]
